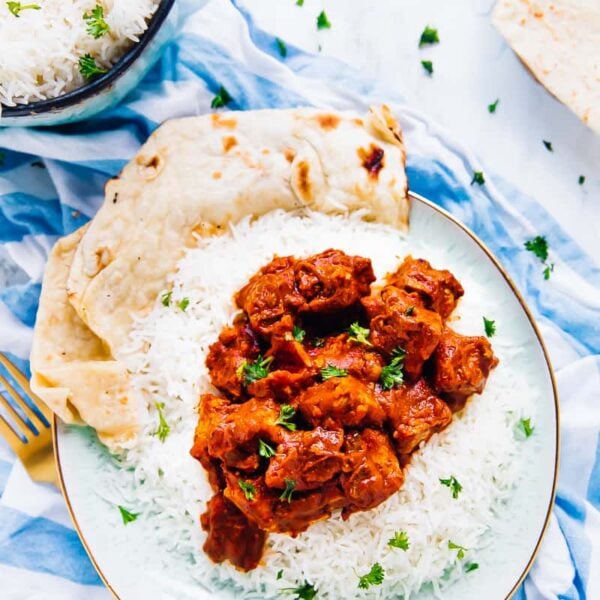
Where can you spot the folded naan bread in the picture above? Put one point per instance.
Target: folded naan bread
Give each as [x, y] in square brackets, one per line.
[193, 177]
[559, 41]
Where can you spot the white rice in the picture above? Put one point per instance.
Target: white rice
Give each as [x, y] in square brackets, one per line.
[40, 49]
[169, 488]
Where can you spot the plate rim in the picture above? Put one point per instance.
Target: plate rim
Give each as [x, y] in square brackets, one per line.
[413, 196]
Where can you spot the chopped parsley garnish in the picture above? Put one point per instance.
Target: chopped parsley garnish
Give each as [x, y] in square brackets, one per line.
[248, 489]
[526, 427]
[322, 21]
[163, 429]
[373, 577]
[183, 303]
[410, 310]
[166, 298]
[96, 25]
[298, 333]
[286, 414]
[492, 107]
[250, 372]
[127, 516]
[539, 246]
[88, 67]
[290, 486]
[478, 178]
[332, 371]
[429, 36]
[265, 450]
[581, 180]
[16, 7]
[471, 567]
[392, 375]
[549, 268]
[548, 146]
[461, 549]
[358, 334]
[400, 540]
[306, 591]
[221, 98]
[299, 2]
[489, 326]
[453, 484]
[428, 66]
[281, 47]
[318, 342]
[279, 574]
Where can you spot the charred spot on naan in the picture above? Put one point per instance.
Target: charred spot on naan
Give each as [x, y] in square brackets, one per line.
[328, 121]
[289, 154]
[372, 159]
[224, 122]
[229, 142]
[150, 165]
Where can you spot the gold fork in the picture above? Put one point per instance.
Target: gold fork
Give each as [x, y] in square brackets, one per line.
[29, 431]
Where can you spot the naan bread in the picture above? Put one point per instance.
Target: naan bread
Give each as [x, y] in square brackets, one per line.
[559, 41]
[193, 177]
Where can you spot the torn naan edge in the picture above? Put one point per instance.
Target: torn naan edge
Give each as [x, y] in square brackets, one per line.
[71, 368]
[193, 177]
[198, 175]
[559, 41]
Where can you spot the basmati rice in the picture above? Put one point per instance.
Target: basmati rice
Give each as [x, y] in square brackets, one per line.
[40, 49]
[169, 488]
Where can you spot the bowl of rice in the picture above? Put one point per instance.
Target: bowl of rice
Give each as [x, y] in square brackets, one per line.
[66, 61]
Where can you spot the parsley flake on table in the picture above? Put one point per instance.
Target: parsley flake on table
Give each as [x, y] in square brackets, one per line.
[489, 326]
[478, 178]
[581, 180]
[286, 414]
[322, 21]
[127, 516]
[428, 66]
[471, 567]
[279, 574]
[538, 246]
[453, 484]
[392, 375]
[265, 450]
[290, 486]
[526, 427]
[306, 591]
[400, 540]
[298, 333]
[248, 489]
[358, 334]
[548, 146]
[16, 7]
[332, 371]
[461, 549]
[166, 298]
[549, 268]
[493, 106]
[221, 98]
[163, 429]
[429, 36]
[281, 47]
[299, 2]
[250, 372]
[96, 25]
[183, 303]
[373, 577]
[88, 67]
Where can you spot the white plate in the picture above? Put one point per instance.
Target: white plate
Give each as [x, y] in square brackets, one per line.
[119, 556]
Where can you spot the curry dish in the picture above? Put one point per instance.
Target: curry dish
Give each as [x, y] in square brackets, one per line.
[328, 385]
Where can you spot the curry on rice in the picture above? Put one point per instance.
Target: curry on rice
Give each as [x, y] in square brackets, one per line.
[327, 387]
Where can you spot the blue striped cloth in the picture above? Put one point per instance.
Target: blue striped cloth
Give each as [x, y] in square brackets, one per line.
[51, 182]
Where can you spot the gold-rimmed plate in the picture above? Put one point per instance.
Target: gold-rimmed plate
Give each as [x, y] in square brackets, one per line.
[122, 553]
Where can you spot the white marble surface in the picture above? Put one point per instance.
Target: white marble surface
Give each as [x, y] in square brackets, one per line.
[472, 67]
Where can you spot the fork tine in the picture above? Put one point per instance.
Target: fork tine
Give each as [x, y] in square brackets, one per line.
[14, 439]
[18, 408]
[34, 403]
